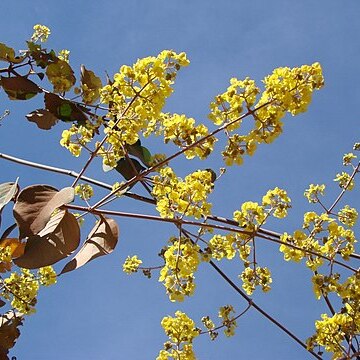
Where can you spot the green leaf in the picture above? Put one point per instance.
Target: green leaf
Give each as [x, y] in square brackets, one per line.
[19, 87]
[90, 85]
[140, 152]
[63, 109]
[61, 76]
[8, 54]
[126, 168]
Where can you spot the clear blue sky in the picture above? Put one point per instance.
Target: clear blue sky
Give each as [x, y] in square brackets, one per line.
[99, 312]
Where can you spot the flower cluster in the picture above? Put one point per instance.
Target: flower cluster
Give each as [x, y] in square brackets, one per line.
[228, 106]
[331, 332]
[256, 276]
[277, 201]
[75, 138]
[182, 131]
[181, 331]
[41, 33]
[185, 197]
[138, 93]
[64, 55]
[313, 192]
[348, 216]
[251, 216]
[345, 181]
[22, 290]
[286, 90]
[181, 262]
[222, 246]
[85, 191]
[131, 264]
[47, 276]
[226, 313]
[237, 146]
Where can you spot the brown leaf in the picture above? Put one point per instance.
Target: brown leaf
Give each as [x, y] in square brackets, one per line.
[64, 110]
[19, 87]
[35, 204]
[56, 241]
[101, 241]
[9, 331]
[43, 118]
[7, 192]
[8, 54]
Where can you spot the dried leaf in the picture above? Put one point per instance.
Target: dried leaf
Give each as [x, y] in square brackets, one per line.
[90, 85]
[61, 75]
[101, 241]
[19, 87]
[7, 192]
[41, 56]
[35, 204]
[56, 241]
[43, 118]
[9, 331]
[64, 110]
[8, 54]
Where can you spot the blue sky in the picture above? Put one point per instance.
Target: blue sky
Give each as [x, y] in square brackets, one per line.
[99, 312]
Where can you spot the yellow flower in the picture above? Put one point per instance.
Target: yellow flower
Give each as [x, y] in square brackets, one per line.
[41, 32]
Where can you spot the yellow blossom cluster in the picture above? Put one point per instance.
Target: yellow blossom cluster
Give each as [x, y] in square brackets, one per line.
[22, 290]
[228, 106]
[181, 262]
[313, 192]
[348, 216]
[344, 181]
[75, 138]
[330, 333]
[222, 246]
[84, 191]
[226, 313]
[47, 276]
[182, 131]
[64, 55]
[131, 264]
[286, 90]
[251, 216]
[326, 237]
[257, 276]
[41, 33]
[181, 331]
[138, 93]
[185, 197]
[237, 146]
[277, 201]
[348, 158]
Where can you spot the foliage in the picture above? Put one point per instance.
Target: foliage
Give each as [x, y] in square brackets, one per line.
[110, 121]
